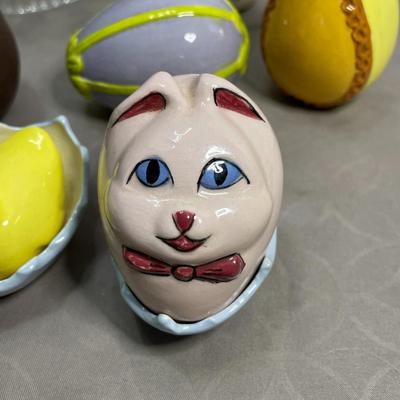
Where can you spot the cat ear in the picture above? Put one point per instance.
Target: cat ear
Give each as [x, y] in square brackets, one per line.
[152, 102]
[229, 100]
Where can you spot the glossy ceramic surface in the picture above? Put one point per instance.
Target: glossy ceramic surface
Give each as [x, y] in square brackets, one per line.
[165, 323]
[133, 39]
[9, 67]
[190, 184]
[31, 197]
[324, 52]
[75, 165]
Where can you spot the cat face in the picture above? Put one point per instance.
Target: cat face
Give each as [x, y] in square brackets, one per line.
[190, 184]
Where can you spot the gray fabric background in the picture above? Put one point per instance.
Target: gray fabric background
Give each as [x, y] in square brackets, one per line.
[325, 325]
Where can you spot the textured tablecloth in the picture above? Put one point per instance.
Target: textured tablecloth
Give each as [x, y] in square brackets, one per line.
[325, 325]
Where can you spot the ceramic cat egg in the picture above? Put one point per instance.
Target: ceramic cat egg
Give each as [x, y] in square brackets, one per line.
[324, 52]
[118, 50]
[190, 184]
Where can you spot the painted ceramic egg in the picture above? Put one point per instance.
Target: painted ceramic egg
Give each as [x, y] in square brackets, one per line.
[131, 40]
[243, 5]
[9, 67]
[32, 197]
[324, 52]
[190, 184]
[44, 184]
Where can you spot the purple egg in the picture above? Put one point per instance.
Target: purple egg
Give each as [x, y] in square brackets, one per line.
[133, 39]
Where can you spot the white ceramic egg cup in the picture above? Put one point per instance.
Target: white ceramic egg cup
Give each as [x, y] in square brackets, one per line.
[76, 157]
[166, 324]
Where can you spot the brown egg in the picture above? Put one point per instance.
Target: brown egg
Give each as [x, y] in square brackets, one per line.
[9, 66]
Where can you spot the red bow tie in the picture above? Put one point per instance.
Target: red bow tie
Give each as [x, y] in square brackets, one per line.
[222, 270]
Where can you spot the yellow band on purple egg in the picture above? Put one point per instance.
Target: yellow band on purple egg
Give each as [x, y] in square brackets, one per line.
[103, 87]
[75, 63]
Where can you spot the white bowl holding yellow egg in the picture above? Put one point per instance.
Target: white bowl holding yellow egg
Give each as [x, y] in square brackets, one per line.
[75, 161]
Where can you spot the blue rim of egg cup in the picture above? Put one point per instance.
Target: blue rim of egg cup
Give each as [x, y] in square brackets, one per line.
[37, 265]
[165, 323]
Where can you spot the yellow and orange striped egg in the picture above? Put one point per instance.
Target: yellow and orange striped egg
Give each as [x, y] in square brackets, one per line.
[324, 52]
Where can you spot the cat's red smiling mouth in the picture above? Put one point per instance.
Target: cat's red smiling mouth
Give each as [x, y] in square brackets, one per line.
[183, 243]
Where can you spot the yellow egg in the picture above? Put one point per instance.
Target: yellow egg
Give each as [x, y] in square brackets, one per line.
[31, 197]
[323, 52]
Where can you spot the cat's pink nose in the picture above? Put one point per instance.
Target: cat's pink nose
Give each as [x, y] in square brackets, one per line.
[183, 220]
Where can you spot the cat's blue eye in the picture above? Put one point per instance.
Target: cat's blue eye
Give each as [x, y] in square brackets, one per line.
[220, 174]
[152, 172]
